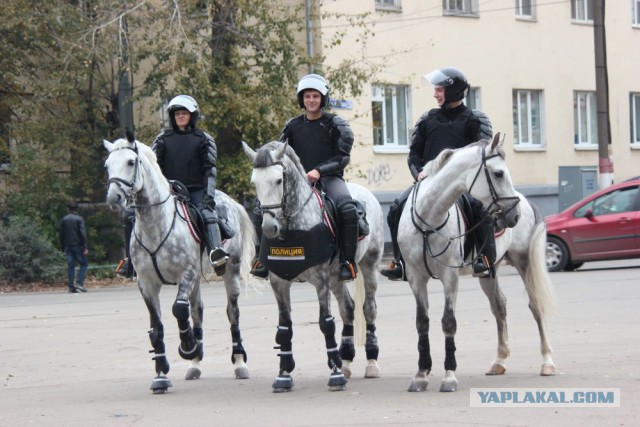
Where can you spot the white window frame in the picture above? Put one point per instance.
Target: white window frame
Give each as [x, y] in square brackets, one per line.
[460, 7]
[635, 16]
[473, 99]
[521, 9]
[580, 11]
[528, 135]
[634, 108]
[389, 5]
[394, 144]
[585, 119]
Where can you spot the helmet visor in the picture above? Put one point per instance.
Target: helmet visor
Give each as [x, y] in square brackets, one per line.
[438, 78]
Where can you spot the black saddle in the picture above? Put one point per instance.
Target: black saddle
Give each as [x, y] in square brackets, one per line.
[471, 217]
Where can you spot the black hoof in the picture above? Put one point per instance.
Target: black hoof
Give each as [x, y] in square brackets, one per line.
[282, 383]
[337, 381]
[160, 384]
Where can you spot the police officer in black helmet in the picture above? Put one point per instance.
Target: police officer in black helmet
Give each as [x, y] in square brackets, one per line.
[452, 125]
[188, 154]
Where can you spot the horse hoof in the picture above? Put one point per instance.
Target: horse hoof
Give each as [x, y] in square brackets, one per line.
[418, 386]
[547, 370]
[448, 386]
[282, 383]
[193, 373]
[242, 373]
[160, 384]
[496, 369]
[337, 381]
[372, 370]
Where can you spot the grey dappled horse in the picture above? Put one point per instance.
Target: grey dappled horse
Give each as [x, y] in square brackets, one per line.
[431, 235]
[290, 203]
[165, 251]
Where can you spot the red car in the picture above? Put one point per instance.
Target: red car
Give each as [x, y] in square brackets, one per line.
[603, 226]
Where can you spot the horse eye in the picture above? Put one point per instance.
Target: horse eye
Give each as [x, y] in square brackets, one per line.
[499, 174]
[279, 181]
[132, 162]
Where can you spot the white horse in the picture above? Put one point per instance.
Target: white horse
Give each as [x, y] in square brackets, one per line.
[431, 236]
[167, 250]
[292, 207]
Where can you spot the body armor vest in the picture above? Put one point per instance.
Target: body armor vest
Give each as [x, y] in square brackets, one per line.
[313, 141]
[183, 158]
[442, 132]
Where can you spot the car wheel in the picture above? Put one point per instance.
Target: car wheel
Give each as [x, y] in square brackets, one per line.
[573, 266]
[557, 254]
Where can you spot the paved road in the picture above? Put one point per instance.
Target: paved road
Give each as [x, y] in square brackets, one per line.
[68, 359]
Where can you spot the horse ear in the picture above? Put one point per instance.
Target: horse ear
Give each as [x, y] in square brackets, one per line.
[129, 134]
[496, 141]
[107, 145]
[279, 152]
[251, 154]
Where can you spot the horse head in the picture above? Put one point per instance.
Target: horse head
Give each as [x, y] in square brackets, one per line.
[124, 172]
[492, 184]
[277, 176]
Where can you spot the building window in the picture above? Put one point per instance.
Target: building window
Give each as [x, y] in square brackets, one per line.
[460, 7]
[585, 121]
[390, 114]
[527, 118]
[473, 99]
[636, 13]
[582, 10]
[395, 5]
[525, 9]
[635, 118]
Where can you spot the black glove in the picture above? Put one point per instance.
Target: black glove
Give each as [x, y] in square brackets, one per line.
[208, 202]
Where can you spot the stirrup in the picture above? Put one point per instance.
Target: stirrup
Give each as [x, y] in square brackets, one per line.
[347, 271]
[259, 270]
[123, 268]
[396, 271]
[218, 257]
[482, 267]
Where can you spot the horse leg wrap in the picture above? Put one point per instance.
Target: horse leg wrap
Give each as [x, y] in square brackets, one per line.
[180, 310]
[189, 347]
[156, 336]
[450, 354]
[236, 339]
[328, 328]
[371, 344]
[347, 348]
[283, 339]
[424, 351]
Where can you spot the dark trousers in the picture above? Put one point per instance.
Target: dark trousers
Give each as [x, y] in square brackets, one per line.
[75, 255]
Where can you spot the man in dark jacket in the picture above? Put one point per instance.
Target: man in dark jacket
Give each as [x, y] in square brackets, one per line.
[452, 125]
[73, 242]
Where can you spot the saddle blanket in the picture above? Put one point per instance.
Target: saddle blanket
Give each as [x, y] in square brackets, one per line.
[298, 250]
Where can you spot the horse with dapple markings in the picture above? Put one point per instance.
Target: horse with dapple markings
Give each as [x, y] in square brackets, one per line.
[291, 205]
[167, 250]
[432, 233]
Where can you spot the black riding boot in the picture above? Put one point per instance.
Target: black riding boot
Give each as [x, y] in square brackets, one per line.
[485, 240]
[396, 270]
[258, 269]
[217, 255]
[348, 242]
[125, 266]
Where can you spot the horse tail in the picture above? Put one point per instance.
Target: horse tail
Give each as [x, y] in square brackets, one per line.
[537, 280]
[248, 233]
[359, 322]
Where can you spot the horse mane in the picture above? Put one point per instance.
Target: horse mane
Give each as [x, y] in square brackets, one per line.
[432, 167]
[264, 158]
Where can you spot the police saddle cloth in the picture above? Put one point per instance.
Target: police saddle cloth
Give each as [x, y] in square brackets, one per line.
[297, 250]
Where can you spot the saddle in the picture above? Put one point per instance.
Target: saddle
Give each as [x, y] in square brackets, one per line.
[194, 216]
[332, 212]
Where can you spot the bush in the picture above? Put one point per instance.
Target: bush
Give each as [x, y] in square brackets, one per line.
[26, 256]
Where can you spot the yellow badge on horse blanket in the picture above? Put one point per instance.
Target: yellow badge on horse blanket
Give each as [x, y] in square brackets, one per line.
[297, 250]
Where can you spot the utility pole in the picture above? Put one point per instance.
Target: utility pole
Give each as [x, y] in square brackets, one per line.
[605, 164]
[125, 89]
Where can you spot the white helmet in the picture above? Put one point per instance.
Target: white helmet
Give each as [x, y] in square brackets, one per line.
[183, 102]
[313, 81]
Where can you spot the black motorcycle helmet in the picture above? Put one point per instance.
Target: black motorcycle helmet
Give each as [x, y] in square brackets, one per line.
[453, 80]
[183, 102]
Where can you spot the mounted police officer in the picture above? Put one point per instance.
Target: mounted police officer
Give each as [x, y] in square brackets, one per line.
[187, 154]
[452, 125]
[323, 142]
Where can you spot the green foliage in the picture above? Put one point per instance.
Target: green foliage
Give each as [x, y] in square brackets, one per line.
[25, 255]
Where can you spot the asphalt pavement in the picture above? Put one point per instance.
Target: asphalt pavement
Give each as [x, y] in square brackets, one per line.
[82, 359]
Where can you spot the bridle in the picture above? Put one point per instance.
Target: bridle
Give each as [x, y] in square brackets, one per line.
[494, 210]
[129, 194]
